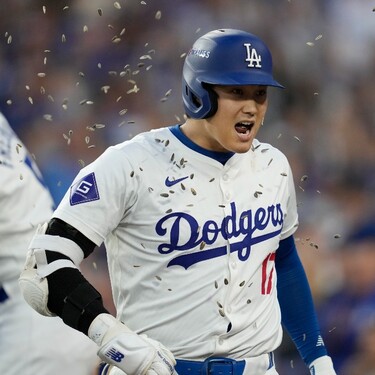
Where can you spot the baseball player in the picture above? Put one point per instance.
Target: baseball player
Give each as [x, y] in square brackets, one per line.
[198, 221]
[30, 344]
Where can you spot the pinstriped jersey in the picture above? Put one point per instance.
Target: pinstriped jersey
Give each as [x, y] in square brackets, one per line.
[190, 242]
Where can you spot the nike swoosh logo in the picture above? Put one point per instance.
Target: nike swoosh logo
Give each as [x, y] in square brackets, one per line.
[170, 183]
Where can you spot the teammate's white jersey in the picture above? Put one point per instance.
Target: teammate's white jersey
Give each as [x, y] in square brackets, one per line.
[26, 336]
[189, 240]
[24, 201]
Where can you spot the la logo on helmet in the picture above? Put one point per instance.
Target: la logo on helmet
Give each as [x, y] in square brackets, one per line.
[252, 57]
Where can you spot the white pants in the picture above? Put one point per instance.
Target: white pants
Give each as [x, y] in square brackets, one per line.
[32, 344]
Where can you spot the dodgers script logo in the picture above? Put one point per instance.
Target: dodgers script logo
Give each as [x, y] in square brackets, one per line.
[247, 223]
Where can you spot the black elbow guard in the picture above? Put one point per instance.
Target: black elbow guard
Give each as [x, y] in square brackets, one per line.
[74, 299]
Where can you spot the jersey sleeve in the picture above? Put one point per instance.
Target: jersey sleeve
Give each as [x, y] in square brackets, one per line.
[95, 202]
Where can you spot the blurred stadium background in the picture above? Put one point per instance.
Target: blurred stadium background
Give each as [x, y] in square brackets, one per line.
[78, 76]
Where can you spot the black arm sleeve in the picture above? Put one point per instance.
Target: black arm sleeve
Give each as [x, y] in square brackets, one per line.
[71, 296]
[60, 228]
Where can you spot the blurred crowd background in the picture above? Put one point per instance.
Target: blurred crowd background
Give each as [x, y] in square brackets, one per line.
[78, 76]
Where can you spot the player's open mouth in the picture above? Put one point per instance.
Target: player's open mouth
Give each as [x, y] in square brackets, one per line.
[244, 127]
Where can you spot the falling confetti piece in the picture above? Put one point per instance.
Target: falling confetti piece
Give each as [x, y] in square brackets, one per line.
[158, 15]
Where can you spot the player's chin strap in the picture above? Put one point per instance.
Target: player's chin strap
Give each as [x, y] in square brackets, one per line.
[32, 281]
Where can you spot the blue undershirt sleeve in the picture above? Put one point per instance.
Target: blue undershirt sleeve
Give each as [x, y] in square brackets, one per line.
[298, 314]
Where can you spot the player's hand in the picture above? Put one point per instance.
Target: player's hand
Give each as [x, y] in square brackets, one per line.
[132, 353]
[322, 366]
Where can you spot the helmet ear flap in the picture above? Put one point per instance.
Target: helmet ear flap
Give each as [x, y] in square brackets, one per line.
[212, 99]
[200, 103]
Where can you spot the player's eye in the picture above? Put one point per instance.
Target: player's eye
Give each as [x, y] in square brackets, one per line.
[237, 91]
[261, 93]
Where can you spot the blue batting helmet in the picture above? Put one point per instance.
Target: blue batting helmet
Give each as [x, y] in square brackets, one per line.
[223, 57]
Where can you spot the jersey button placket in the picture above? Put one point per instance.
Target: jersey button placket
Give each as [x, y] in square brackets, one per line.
[225, 178]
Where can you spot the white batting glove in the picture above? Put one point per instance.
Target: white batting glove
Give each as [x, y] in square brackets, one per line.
[322, 366]
[132, 353]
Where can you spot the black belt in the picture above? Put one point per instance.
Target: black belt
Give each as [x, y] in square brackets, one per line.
[3, 295]
[214, 366]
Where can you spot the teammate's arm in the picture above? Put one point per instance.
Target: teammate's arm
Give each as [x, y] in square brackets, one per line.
[297, 309]
[53, 285]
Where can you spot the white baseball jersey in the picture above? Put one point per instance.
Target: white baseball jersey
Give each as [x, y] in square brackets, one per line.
[26, 336]
[190, 242]
[24, 200]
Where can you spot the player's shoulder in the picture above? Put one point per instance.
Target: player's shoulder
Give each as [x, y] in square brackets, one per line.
[6, 132]
[266, 151]
[142, 143]
[12, 149]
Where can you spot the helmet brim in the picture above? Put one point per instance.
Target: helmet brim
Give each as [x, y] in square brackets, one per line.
[240, 79]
